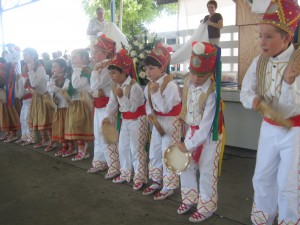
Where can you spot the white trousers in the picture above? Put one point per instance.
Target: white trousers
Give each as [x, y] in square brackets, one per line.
[132, 153]
[276, 176]
[206, 195]
[104, 154]
[100, 146]
[24, 115]
[158, 146]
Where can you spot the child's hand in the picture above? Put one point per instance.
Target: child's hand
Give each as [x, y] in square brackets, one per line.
[101, 93]
[255, 103]
[106, 121]
[154, 87]
[77, 65]
[119, 92]
[182, 147]
[292, 72]
[100, 65]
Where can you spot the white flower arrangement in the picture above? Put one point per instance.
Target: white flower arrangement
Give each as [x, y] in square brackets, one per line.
[139, 47]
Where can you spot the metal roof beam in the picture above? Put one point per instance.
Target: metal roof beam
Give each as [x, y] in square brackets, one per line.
[7, 5]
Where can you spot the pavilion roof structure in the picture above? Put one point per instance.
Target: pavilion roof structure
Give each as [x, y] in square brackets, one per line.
[6, 5]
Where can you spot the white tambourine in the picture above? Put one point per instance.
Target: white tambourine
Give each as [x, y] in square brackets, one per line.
[175, 160]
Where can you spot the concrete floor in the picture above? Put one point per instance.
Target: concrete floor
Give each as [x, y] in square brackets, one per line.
[37, 188]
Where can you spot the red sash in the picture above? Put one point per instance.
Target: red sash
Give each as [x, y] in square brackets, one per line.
[174, 111]
[141, 110]
[295, 121]
[27, 96]
[101, 101]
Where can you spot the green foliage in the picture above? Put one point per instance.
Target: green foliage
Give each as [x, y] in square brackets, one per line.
[136, 13]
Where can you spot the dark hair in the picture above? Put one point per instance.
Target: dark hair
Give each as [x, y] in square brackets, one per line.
[62, 63]
[280, 31]
[150, 61]
[68, 70]
[212, 2]
[112, 67]
[45, 56]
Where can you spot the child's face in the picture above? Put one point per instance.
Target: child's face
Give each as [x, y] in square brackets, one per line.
[153, 72]
[197, 80]
[98, 56]
[56, 69]
[117, 77]
[27, 58]
[272, 43]
[76, 60]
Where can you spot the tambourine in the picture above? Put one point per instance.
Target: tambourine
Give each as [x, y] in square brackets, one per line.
[175, 160]
[109, 132]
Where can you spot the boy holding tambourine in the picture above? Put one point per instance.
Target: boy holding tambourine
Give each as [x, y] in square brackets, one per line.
[198, 112]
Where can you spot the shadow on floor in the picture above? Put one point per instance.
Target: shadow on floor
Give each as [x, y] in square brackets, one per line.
[38, 188]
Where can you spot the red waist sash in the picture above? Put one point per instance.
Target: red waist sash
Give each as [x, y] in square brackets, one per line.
[295, 121]
[27, 96]
[101, 101]
[174, 111]
[141, 110]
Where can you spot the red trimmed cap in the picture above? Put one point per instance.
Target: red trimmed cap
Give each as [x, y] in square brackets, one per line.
[203, 59]
[161, 54]
[106, 45]
[124, 62]
[283, 14]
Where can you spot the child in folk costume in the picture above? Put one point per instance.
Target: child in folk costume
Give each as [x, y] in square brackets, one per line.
[54, 86]
[163, 107]
[23, 87]
[79, 118]
[41, 110]
[272, 86]
[198, 112]
[128, 97]
[9, 105]
[105, 155]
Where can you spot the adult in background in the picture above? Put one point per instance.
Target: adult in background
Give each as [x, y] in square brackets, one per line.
[13, 56]
[96, 25]
[214, 23]
[47, 63]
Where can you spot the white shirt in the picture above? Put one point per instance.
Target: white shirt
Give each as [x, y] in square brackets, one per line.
[163, 102]
[39, 79]
[101, 81]
[136, 99]
[54, 89]
[193, 116]
[95, 25]
[285, 97]
[19, 87]
[79, 83]
[14, 58]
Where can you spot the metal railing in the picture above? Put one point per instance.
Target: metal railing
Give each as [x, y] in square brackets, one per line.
[228, 43]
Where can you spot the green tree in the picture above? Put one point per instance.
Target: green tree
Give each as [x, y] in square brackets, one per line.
[136, 13]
